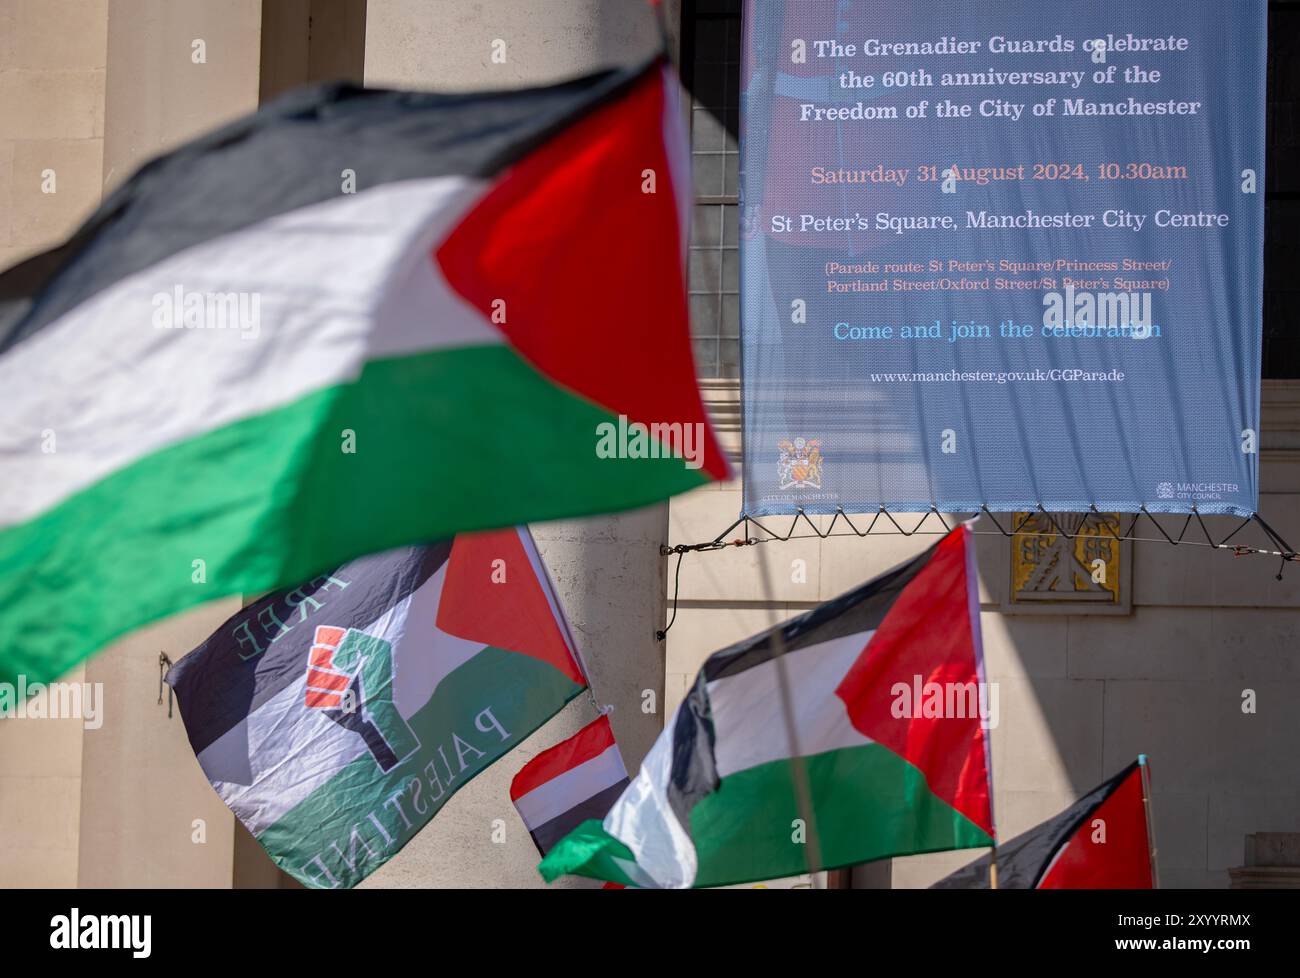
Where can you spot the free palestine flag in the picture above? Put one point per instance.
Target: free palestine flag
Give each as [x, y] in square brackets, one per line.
[563, 786]
[337, 718]
[1101, 842]
[352, 321]
[885, 683]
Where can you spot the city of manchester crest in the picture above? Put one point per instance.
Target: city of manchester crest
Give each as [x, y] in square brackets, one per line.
[800, 464]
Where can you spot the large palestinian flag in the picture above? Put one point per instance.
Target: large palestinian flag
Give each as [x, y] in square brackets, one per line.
[337, 718]
[352, 321]
[1101, 842]
[885, 685]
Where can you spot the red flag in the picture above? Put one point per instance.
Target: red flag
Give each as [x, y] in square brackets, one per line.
[1102, 841]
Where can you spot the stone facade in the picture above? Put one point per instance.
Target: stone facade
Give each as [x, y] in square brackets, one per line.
[92, 88]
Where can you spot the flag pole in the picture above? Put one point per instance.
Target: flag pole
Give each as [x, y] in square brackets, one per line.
[1151, 822]
[798, 767]
[661, 18]
[973, 605]
[661, 21]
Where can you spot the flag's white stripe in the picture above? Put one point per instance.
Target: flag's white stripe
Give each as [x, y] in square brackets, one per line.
[282, 752]
[746, 709]
[337, 284]
[750, 730]
[635, 873]
[643, 820]
[572, 787]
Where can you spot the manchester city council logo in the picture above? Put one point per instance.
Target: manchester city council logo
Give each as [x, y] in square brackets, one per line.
[800, 464]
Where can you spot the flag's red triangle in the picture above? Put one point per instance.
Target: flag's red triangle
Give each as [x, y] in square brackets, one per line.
[929, 636]
[1111, 849]
[493, 594]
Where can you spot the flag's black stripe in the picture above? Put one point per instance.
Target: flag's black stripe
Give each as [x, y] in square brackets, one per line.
[859, 610]
[217, 687]
[694, 768]
[1023, 861]
[289, 154]
[546, 835]
[694, 771]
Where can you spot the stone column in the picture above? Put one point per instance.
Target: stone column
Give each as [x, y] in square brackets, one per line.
[607, 571]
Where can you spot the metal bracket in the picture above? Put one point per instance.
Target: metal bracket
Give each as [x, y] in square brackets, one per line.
[164, 663]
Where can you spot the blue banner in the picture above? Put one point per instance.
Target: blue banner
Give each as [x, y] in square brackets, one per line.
[1003, 253]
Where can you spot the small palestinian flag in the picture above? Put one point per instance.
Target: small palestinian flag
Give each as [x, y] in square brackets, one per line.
[885, 683]
[563, 786]
[355, 320]
[1101, 842]
[337, 718]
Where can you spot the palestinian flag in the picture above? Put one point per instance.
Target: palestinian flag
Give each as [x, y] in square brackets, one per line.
[337, 718]
[1101, 842]
[885, 685]
[563, 786]
[353, 321]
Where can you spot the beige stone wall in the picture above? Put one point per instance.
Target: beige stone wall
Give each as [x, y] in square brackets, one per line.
[40, 800]
[148, 816]
[311, 40]
[1080, 695]
[448, 44]
[157, 97]
[52, 57]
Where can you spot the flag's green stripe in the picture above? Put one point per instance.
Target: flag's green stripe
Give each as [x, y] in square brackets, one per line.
[522, 693]
[451, 440]
[587, 851]
[869, 803]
